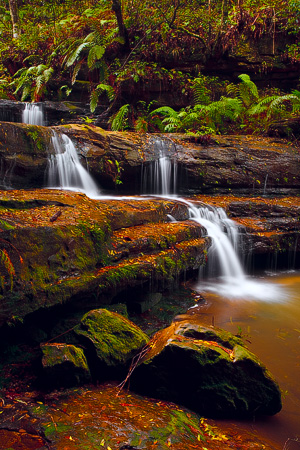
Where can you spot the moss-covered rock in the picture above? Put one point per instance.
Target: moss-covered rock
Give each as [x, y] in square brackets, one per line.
[208, 370]
[112, 339]
[64, 365]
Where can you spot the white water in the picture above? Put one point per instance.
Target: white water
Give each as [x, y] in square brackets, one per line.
[65, 170]
[159, 177]
[33, 114]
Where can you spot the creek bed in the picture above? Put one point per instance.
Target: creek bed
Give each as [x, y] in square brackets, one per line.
[271, 329]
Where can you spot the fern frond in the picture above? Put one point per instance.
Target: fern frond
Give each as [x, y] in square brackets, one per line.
[26, 92]
[248, 90]
[8, 266]
[75, 72]
[74, 56]
[95, 53]
[200, 92]
[110, 92]
[118, 122]
[94, 100]
[165, 110]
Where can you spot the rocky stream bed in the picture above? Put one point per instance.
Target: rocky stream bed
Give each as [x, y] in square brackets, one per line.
[65, 254]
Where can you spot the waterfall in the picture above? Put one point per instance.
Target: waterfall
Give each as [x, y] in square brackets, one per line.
[33, 114]
[223, 254]
[160, 176]
[65, 170]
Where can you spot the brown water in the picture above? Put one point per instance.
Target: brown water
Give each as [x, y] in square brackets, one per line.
[272, 328]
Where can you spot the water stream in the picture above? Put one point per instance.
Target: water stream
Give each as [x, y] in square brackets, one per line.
[66, 171]
[33, 114]
[233, 298]
[270, 328]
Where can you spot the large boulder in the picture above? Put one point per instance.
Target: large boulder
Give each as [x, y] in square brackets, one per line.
[111, 340]
[208, 370]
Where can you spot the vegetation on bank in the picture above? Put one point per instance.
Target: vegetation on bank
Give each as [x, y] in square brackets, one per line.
[122, 55]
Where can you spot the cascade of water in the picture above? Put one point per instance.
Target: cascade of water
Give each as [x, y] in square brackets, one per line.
[265, 184]
[33, 114]
[160, 176]
[223, 252]
[65, 169]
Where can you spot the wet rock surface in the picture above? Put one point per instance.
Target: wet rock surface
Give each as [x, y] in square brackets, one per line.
[105, 417]
[208, 370]
[243, 163]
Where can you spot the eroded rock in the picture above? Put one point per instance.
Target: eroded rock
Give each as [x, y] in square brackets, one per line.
[111, 339]
[208, 370]
[64, 365]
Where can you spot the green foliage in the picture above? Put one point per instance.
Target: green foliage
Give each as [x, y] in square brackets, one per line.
[119, 122]
[32, 82]
[101, 88]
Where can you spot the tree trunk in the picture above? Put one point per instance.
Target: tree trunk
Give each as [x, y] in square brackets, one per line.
[13, 7]
[117, 9]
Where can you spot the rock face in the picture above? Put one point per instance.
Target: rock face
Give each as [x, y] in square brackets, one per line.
[118, 160]
[92, 250]
[207, 370]
[64, 365]
[112, 340]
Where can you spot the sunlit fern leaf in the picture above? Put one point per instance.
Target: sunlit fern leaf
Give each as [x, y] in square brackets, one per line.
[75, 72]
[110, 92]
[118, 122]
[232, 90]
[94, 100]
[26, 92]
[95, 53]
[48, 72]
[76, 53]
[165, 110]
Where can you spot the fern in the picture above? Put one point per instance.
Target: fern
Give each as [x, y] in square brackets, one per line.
[95, 53]
[118, 121]
[110, 92]
[75, 72]
[166, 111]
[200, 92]
[94, 100]
[76, 53]
[248, 92]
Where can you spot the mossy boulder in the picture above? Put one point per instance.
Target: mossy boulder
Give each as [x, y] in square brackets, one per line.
[112, 340]
[64, 365]
[208, 370]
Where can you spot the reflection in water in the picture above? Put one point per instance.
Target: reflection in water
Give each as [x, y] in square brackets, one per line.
[268, 316]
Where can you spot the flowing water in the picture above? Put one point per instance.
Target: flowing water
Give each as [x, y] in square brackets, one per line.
[33, 114]
[66, 171]
[270, 325]
[267, 310]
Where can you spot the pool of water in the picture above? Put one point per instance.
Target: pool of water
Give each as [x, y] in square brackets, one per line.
[267, 314]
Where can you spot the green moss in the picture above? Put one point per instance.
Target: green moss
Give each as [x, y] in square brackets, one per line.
[5, 225]
[115, 338]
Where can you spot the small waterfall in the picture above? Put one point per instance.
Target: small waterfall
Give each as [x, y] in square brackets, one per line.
[265, 185]
[223, 254]
[65, 170]
[33, 114]
[159, 177]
